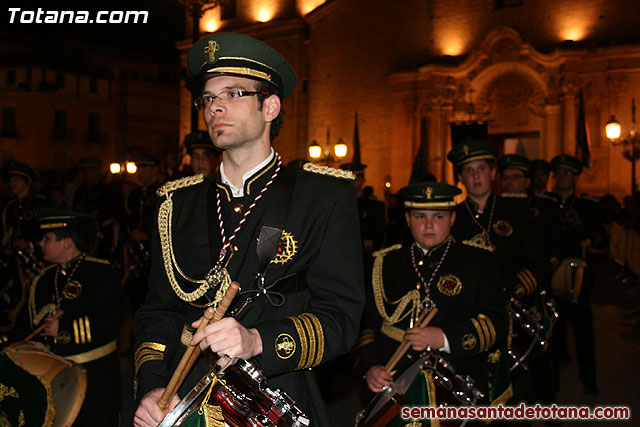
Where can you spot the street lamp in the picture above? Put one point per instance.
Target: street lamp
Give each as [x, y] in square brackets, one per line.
[631, 142]
[317, 153]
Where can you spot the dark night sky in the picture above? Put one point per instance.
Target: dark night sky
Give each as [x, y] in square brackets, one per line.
[156, 38]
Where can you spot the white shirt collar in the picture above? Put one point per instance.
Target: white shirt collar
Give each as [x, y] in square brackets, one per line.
[239, 191]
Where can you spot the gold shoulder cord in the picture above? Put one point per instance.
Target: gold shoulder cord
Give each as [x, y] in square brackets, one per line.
[33, 315]
[412, 297]
[165, 215]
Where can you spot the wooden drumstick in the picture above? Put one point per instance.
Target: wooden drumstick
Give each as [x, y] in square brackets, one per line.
[193, 351]
[41, 327]
[425, 318]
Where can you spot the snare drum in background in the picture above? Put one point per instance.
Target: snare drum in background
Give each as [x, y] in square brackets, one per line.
[566, 282]
[39, 383]
[527, 338]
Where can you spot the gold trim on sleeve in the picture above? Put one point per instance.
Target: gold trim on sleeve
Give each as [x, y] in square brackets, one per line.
[87, 328]
[76, 335]
[83, 338]
[479, 333]
[303, 342]
[320, 335]
[312, 341]
[487, 326]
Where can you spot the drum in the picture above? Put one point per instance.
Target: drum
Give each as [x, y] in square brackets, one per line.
[527, 338]
[65, 382]
[450, 389]
[566, 282]
[239, 397]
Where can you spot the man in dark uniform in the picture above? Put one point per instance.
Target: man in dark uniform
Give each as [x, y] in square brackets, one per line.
[19, 217]
[20, 258]
[464, 284]
[581, 235]
[540, 177]
[104, 201]
[515, 177]
[140, 206]
[501, 225]
[370, 210]
[88, 294]
[205, 157]
[290, 240]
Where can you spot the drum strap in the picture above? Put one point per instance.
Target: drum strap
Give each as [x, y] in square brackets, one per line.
[96, 353]
[278, 205]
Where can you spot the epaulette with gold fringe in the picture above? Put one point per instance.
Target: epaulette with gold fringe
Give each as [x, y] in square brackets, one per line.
[384, 251]
[326, 170]
[98, 260]
[514, 195]
[187, 181]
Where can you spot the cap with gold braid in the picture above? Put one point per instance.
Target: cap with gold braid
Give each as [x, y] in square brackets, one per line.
[238, 55]
[567, 162]
[514, 161]
[198, 139]
[51, 218]
[429, 195]
[21, 169]
[470, 151]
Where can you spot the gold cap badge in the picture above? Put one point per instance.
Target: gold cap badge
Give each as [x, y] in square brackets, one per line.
[211, 49]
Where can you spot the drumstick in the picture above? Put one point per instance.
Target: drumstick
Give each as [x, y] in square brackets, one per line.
[193, 351]
[423, 321]
[41, 327]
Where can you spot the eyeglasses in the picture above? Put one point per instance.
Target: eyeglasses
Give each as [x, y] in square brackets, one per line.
[225, 97]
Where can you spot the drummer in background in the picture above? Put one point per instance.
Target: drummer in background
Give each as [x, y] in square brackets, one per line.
[501, 225]
[540, 177]
[515, 178]
[19, 216]
[308, 308]
[205, 157]
[464, 283]
[140, 221]
[581, 236]
[20, 232]
[85, 289]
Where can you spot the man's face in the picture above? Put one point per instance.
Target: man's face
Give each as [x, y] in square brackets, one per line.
[477, 177]
[147, 174]
[204, 161]
[540, 178]
[514, 181]
[566, 179]
[90, 175]
[18, 185]
[239, 123]
[53, 250]
[430, 227]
